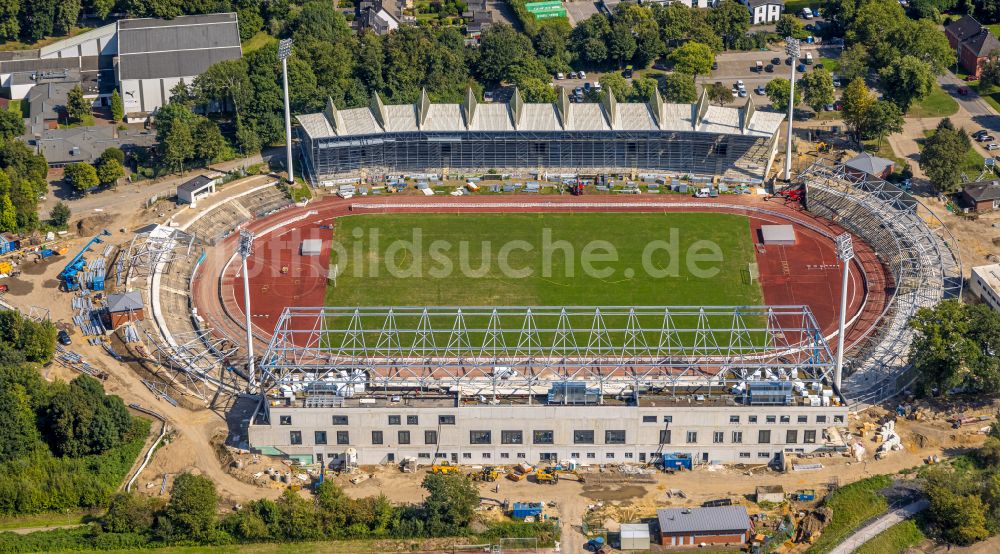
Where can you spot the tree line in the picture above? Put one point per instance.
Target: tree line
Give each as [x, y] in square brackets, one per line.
[62, 445]
[191, 517]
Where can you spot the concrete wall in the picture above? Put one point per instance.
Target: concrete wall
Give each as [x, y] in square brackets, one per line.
[642, 428]
[146, 95]
[980, 287]
[102, 41]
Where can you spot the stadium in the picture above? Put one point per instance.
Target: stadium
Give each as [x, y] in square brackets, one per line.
[361, 358]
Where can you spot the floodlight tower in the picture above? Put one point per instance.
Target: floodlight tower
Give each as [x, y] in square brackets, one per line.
[284, 51]
[792, 48]
[845, 253]
[245, 251]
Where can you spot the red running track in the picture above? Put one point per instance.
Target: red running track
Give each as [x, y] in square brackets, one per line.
[805, 273]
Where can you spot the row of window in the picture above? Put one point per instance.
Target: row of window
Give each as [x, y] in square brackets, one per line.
[548, 437]
[450, 419]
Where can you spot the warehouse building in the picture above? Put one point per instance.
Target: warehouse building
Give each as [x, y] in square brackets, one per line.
[724, 525]
[985, 284]
[686, 139]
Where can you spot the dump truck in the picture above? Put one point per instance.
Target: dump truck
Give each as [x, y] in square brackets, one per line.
[444, 468]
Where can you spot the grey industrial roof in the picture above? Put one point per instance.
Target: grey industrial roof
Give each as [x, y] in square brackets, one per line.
[703, 520]
[983, 191]
[519, 116]
[181, 47]
[755, 3]
[964, 27]
[128, 301]
[867, 163]
[89, 142]
[195, 184]
[47, 64]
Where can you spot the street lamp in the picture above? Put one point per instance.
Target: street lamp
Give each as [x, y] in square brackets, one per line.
[284, 51]
[245, 251]
[792, 48]
[845, 253]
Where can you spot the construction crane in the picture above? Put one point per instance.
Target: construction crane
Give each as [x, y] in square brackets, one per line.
[70, 274]
[790, 194]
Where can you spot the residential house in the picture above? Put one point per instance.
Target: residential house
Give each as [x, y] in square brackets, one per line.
[982, 196]
[973, 43]
[764, 11]
[722, 525]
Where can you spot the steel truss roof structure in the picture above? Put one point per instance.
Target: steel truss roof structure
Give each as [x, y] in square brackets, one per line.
[912, 243]
[151, 246]
[514, 349]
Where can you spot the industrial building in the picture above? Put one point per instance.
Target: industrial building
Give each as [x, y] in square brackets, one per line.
[695, 526]
[687, 139]
[985, 284]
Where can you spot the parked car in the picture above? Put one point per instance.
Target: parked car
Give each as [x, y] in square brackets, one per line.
[776, 61]
[715, 65]
[583, 74]
[801, 68]
[740, 84]
[769, 68]
[760, 90]
[64, 338]
[807, 13]
[985, 138]
[963, 91]
[572, 74]
[993, 146]
[836, 83]
[980, 133]
[488, 96]
[560, 76]
[819, 66]
[586, 87]
[971, 78]
[788, 60]
[828, 108]
[627, 73]
[838, 106]
[742, 93]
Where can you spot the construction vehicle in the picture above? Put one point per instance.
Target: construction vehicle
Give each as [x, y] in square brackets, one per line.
[488, 473]
[546, 476]
[444, 468]
[70, 274]
[515, 476]
[576, 189]
[797, 194]
[4, 289]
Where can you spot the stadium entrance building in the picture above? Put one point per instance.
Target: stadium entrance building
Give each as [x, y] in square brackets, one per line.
[610, 136]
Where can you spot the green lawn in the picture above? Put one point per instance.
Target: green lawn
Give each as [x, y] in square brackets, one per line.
[258, 41]
[894, 540]
[937, 104]
[498, 259]
[830, 64]
[852, 505]
[48, 519]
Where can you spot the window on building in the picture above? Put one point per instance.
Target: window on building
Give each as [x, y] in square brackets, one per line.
[376, 437]
[809, 437]
[744, 454]
[821, 419]
[763, 436]
[285, 420]
[446, 420]
[583, 437]
[692, 437]
[466, 455]
[543, 437]
[628, 455]
[339, 420]
[486, 455]
[802, 419]
[734, 419]
[614, 437]
[574, 455]
[718, 437]
[838, 419]
[404, 437]
[505, 455]
[752, 419]
[394, 420]
[770, 419]
[668, 419]
[412, 420]
[319, 437]
[791, 436]
[442, 455]
[522, 455]
[480, 437]
[785, 419]
[649, 419]
[424, 455]
[591, 455]
[737, 437]
[664, 436]
[610, 455]
[763, 454]
[430, 437]
[295, 437]
[343, 437]
[511, 437]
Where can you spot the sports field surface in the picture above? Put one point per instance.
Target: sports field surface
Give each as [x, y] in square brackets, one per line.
[543, 259]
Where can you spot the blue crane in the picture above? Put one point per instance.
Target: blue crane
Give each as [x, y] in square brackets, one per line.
[70, 274]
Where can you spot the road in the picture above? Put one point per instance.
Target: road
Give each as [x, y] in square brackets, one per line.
[879, 526]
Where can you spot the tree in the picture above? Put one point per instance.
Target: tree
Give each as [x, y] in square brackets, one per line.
[942, 349]
[81, 176]
[621, 43]
[730, 20]
[720, 93]
[956, 508]
[191, 511]
[10, 27]
[857, 100]
[60, 214]
[643, 89]
[250, 21]
[129, 513]
[501, 47]
[906, 81]
[942, 156]
[112, 153]
[790, 26]
[854, 63]
[77, 107]
[223, 86]
[451, 502]
[884, 118]
[109, 170]
[679, 88]
[817, 88]
[208, 141]
[8, 214]
[11, 125]
[18, 434]
[692, 58]
[615, 84]
[588, 40]
[117, 107]
[777, 91]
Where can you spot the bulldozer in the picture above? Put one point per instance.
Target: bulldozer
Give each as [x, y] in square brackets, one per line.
[488, 473]
[546, 476]
[444, 468]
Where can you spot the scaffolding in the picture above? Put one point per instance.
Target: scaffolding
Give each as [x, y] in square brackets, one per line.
[912, 243]
[152, 245]
[520, 350]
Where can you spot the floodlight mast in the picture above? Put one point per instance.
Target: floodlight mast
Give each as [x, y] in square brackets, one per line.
[284, 51]
[845, 253]
[245, 251]
[792, 48]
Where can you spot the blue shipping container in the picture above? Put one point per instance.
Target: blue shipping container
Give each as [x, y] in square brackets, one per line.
[677, 461]
[526, 509]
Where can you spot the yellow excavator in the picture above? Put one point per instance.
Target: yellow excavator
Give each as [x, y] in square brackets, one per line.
[444, 468]
[488, 473]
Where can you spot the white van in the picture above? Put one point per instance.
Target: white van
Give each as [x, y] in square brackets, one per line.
[702, 193]
[809, 58]
[807, 13]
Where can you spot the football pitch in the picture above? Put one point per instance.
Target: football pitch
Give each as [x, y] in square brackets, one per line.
[543, 259]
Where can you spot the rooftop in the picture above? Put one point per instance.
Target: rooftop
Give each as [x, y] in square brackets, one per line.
[86, 144]
[125, 302]
[195, 184]
[982, 191]
[964, 27]
[703, 520]
[990, 275]
[182, 47]
[867, 163]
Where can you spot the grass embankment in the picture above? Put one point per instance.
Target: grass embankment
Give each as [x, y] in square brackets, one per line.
[852, 505]
[258, 41]
[894, 540]
[937, 104]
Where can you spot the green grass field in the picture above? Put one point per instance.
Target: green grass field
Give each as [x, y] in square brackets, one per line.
[501, 259]
[937, 104]
[894, 540]
[852, 505]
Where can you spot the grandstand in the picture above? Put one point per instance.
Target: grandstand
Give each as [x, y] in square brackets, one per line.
[222, 219]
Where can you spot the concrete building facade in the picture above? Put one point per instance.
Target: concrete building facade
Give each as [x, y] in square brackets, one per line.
[985, 283]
